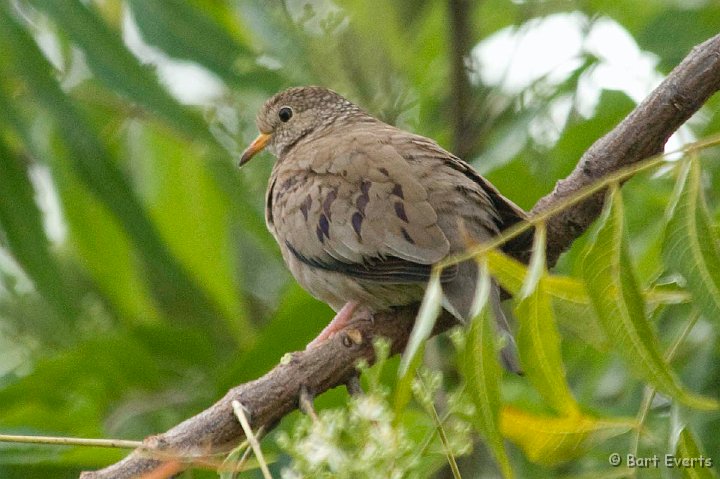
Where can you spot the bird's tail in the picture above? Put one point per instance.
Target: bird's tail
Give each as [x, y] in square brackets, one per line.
[459, 298]
[504, 322]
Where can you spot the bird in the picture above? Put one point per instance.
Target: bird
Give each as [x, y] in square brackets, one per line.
[362, 210]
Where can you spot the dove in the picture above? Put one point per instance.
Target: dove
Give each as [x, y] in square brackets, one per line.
[362, 210]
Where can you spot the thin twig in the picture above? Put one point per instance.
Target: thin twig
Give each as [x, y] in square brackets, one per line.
[240, 413]
[354, 387]
[441, 432]
[305, 402]
[239, 466]
[73, 441]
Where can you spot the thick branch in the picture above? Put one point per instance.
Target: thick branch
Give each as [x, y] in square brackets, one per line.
[642, 134]
[269, 398]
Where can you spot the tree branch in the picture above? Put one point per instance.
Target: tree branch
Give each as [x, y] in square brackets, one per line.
[642, 134]
[461, 92]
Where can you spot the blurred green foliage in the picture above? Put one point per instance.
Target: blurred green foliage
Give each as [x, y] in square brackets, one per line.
[138, 281]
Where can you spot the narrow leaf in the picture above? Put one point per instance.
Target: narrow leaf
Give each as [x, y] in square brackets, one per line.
[21, 222]
[104, 248]
[538, 337]
[620, 307]
[424, 323]
[539, 345]
[690, 245]
[511, 274]
[177, 179]
[691, 460]
[551, 441]
[536, 269]
[569, 298]
[480, 367]
[507, 271]
[428, 313]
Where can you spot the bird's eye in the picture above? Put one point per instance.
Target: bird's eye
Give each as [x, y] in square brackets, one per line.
[285, 113]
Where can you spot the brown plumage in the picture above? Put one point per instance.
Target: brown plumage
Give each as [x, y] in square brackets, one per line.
[362, 210]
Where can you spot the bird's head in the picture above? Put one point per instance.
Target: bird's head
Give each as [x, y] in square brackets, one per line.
[295, 114]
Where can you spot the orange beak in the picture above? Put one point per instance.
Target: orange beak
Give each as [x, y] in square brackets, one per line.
[255, 147]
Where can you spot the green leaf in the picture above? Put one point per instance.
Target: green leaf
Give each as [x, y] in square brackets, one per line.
[116, 67]
[536, 269]
[22, 224]
[175, 178]
[694, 464]
[511, 274]
[184, 32]
[428, 313]
[620, 307]
[690, 245]
[539, 345]
[538, 337]
[429, 310]
[480, 367]
[569, 298]
[551, 441]
[104, 248]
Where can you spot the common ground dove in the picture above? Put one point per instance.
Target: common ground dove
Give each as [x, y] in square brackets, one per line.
[361, 210]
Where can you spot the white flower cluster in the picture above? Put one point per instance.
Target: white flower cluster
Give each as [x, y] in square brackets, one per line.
[360, 441]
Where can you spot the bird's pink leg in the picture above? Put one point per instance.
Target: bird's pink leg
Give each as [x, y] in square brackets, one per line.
[339, 322]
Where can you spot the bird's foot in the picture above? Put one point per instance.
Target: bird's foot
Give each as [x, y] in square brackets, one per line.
[354, 387]
[338, 323]
[305, 403]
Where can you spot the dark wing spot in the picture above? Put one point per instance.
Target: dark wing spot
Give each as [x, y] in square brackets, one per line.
[400, 211]
[384, 171]
[323, 227]
[365, 187]
[305, 206]
[357, 222]
[332, 196]
[364, 197]
[361, 203]
[290, 182]
[406, 235]
[397, 191]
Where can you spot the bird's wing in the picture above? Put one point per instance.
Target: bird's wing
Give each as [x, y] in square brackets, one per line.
[496, 208]
[358, 210]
